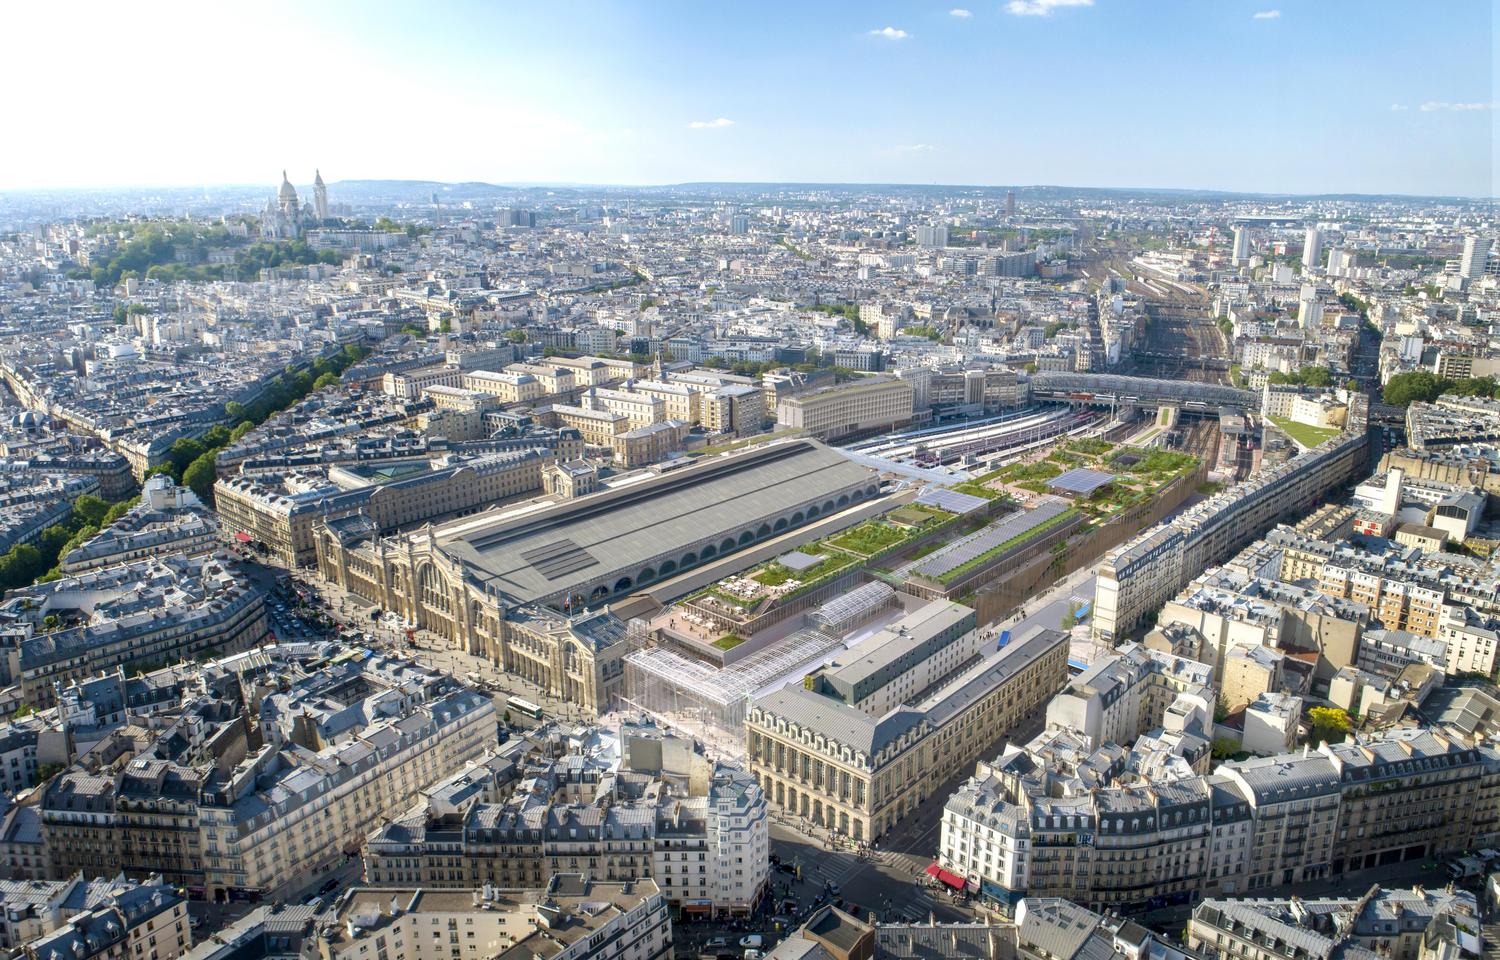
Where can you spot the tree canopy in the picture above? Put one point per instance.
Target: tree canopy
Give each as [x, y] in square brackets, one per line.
[1426, 386]
[1329, 724]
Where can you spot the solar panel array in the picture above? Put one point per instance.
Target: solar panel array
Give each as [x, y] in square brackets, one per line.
[976, 544]
[1081, 481]
[559, 558]
[950, 500]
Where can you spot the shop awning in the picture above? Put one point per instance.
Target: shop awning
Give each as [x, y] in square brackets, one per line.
[951, 879]
[242, 537]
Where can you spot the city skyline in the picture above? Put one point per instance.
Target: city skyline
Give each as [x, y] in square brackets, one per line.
[1253, 97]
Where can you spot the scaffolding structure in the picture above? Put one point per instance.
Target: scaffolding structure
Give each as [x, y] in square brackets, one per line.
[843, 613]
[710, 703]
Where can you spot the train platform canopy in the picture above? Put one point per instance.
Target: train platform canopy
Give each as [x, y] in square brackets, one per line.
[1080, 482]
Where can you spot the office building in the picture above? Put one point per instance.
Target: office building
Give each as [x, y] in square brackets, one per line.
[1312, 249]
[1241, 254]
[819, 758]
[1476, 256]
[857, 408]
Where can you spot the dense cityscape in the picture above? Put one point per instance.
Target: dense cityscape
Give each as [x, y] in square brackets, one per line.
[398, 569]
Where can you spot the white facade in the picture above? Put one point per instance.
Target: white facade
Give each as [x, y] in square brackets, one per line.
[1271, 724]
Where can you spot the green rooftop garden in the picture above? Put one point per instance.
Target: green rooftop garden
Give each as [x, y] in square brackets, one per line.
[1304, 434]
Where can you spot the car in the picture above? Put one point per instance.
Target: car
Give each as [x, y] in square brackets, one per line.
[316, 903]
[713, 943]
[835, 889]
[195, 922]
[753, 940]
[753, 954]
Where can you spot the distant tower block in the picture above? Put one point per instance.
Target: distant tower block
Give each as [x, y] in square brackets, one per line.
[1312, 249]
[1010, 203]
[1241, 244]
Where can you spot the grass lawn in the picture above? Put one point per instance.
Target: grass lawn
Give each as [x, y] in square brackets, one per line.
[868, 538]
[1303, 434]
[1020, 472]
[728, 641]
[774, 575]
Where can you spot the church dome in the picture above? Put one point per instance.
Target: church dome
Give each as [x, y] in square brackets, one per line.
[287, 192]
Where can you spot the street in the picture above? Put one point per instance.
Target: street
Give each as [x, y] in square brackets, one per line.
[888, 878]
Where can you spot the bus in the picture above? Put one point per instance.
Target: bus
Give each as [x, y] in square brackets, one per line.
[524, 706]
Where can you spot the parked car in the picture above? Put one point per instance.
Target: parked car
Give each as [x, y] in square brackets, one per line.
[715, 943]
[754, 940]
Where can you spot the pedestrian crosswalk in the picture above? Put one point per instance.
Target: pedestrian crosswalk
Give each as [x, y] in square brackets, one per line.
[1491, 934]
[831, 866]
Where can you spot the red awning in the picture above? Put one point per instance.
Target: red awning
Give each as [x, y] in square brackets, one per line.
[242, 537]
[951, 879]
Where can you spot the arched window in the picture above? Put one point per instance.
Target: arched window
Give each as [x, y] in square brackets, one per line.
[780, 523]
[668, 566]
[727, 545]
[843, 499]
[708, 551]
[623, 584]
[764, 531]
[647, 575]
[688, 559]
[746, 537]
[798, 517]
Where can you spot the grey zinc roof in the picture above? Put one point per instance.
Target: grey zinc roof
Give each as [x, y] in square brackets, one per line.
[1284, 778]
[839, 721]
[1014, 657]
[623, 529]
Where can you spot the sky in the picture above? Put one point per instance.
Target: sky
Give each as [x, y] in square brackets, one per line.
[1293, 96]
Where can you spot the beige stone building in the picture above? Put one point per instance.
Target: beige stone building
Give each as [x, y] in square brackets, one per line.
[848, 409]
[572, 918]
[505, 386]
[818, 758]
[555, 380]
[409, 384]
[282, 511]
[679, 400]
[597, 427]
[639, 409]
[647, 445]
[514, 588]
[460, 399]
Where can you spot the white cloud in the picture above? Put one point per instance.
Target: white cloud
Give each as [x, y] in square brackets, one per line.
[960, 12]
[913, 148]
[1435, 105]
[1267, 15]
[1398, 107]
[1042, 8]
[890, 33]
[711, 124]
